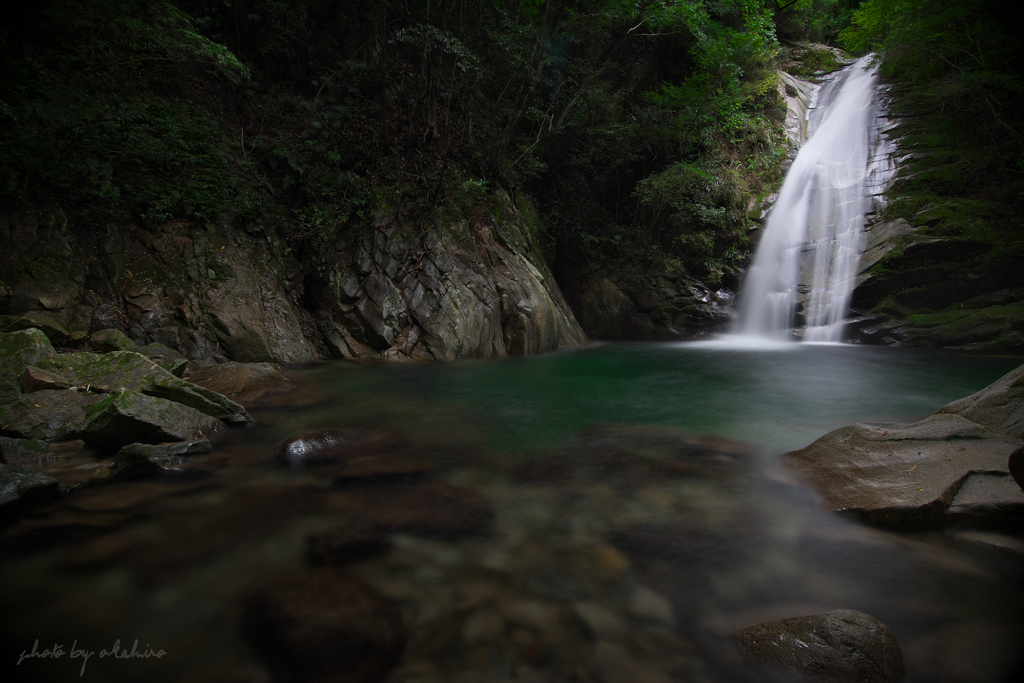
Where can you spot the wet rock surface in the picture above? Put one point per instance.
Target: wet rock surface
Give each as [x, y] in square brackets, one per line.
[941, 470]
[322, 625]
[998, 407]
[843, 646]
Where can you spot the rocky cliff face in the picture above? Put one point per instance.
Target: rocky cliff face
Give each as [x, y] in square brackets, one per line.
[405, 291]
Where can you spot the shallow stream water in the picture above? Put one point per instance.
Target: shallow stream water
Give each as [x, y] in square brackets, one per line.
[600, 564]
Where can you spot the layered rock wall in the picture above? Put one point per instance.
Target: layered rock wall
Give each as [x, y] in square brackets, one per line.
[404, 290]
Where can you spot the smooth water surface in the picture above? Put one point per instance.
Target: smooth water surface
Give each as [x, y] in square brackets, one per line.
[589, 519]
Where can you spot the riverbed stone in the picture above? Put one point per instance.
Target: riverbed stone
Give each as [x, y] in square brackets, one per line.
[21, 489]
[998, 407]
[350, 543]
[128, 370]
[433, 508]
[600, 622]
[18, 349]
[615, 664]
[842, 646]
[130, 417]
[927, 473]
[49, 415]
[645, 603]
[321, 625]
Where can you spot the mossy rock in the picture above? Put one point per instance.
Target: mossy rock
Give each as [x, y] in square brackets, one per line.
[51, 324]
[130, 417]
[128, 370]
[48, 415]
[966, 326]
[110, 340]
[17, 350]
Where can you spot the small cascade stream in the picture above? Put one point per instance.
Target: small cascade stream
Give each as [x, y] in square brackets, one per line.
[805, 267]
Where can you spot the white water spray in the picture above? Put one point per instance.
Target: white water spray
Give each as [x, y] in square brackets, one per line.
[806, 264]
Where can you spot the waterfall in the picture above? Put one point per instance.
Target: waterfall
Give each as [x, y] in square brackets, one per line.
[806, 263]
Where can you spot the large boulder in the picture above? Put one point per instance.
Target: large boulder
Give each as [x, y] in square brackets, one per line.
[320, 625]
[127, 370]
[130, 417]
[18, 349]
[998, 407]
[941, 470]
[842, 646]
[49, 415]
[21, 488]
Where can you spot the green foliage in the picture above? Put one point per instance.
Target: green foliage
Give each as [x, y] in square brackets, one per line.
[956, 70]
[93, 122]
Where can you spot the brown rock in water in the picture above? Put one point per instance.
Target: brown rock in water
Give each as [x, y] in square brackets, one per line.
[842, 646]
[319, 625]
[999, 406]
[435, 509]
[332, 446]
[941, 470]
[246, 383]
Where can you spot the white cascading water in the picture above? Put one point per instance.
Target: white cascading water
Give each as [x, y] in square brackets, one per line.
[806, 263]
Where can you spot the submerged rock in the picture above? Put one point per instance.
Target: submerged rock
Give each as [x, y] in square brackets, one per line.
[943, 469]
[20, 488]
[842, 646]
[131, 417]
[334, 446]
[347, 544]
[998, 407]
[321, 625]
